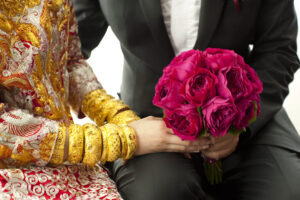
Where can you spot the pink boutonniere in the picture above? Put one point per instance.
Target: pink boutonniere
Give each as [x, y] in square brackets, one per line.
[237, 5]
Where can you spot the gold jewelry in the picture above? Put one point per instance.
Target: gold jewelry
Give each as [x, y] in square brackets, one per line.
[123, 143]
[92, 105]
[95, 106]
[103, 158]
[93, 144]
[59, 149]
[91, 97]
[124, 118]
[75, 143]
[113, 140]
[113, 107]
[131, 141]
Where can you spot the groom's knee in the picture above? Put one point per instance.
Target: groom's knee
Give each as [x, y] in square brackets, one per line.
[158, 176]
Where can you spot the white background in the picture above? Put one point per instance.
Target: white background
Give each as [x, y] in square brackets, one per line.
[107, 62]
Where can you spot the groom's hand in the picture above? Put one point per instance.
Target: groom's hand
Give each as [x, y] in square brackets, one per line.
[222, 146]
[153, 136]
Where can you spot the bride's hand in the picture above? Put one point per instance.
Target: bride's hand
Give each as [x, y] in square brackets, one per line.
[153, 136]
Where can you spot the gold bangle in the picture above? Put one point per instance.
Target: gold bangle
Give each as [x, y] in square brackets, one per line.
[75, 144]
[113, 107]
[131, 141]
[93, 144]
[95, 107]
[103, 158]
[124, 118]
[124, 145]
[89, 105]
[90, 97]
[113, 140]
[59, 149]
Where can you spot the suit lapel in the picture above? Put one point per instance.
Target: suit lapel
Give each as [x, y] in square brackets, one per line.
[154, 17]
[211, 11]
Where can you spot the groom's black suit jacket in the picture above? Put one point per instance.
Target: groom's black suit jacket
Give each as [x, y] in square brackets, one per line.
[269, 25]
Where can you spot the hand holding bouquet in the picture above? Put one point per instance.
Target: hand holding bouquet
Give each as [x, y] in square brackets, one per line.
[212, 92]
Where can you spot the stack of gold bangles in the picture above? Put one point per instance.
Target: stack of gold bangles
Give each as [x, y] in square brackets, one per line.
[101, 108]
[91, 144]
[109, 140]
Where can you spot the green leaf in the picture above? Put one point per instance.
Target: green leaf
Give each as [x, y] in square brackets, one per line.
[255, 113]
[203, 132]
[199, 110]
[234, 131]
[164, 114]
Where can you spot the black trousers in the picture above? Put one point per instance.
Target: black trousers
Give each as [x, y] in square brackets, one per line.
[255, 171]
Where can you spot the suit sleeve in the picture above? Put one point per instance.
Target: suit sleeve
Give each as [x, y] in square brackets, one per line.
[274, 56]
[92, 24]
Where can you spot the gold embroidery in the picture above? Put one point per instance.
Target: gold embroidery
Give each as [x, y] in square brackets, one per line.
[46, 146]
[12, 8]
[23, 157]
[2, 59]
[46, 22]
[28, 32]
[16, 80]
[55, 5]
[5, 25]
[4, 51]
[5, 152]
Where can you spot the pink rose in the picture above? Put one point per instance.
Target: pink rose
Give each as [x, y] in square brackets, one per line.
[194, 56]
[167, 93]
[251, 75]
[233, 82]
[200, 87]
[218, 115]
[218, 58]
[185, 121]
[184, 65]
[246, 112]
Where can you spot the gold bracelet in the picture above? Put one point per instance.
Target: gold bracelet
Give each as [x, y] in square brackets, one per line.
[59, 150]
[96, 107]
[124, 145]
[131, 141]
[90, 97]
[113, 107]
[93, 144]
[101, 107]
[103, 158]
[114, 142]
[93, 101]
[75, 143]
[124, 118]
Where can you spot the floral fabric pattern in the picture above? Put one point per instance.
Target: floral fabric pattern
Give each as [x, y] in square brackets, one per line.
[42, 76]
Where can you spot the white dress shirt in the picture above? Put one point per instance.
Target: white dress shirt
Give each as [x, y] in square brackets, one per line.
[181, 18]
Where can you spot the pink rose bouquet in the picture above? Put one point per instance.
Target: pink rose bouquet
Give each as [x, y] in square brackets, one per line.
[213, 92]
